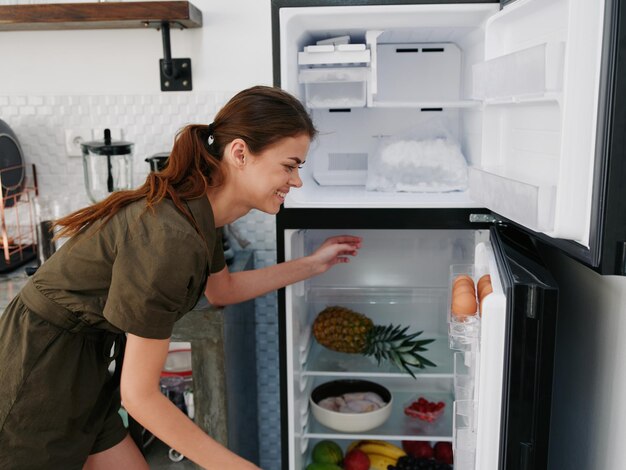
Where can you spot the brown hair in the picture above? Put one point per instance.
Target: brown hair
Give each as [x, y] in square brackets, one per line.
[260, 115]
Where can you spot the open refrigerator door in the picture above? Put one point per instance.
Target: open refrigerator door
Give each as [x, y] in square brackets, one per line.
[539, 85]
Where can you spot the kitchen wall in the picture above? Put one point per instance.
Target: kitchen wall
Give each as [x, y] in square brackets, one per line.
[57, 80]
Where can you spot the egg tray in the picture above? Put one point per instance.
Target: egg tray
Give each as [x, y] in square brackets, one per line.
[464, 332]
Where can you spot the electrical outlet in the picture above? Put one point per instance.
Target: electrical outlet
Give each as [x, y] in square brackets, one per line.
[73, 139]
[116, 133]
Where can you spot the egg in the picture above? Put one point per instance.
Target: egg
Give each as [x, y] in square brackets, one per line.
[483, 279]
[463, 287]
[464, 304]
[486, 290]
[462, 278]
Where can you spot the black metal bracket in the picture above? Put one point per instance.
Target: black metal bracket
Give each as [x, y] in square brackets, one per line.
[175, 73]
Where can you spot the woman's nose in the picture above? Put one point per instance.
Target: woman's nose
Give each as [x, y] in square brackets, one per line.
[295, 179]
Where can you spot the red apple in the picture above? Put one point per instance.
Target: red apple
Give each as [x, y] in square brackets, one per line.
[356, 460]
[418, 449]
[443, 452]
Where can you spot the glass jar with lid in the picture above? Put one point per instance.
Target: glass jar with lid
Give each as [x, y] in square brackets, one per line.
[108, 166]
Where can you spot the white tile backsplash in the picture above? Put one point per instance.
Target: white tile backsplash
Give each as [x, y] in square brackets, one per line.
[150, 121]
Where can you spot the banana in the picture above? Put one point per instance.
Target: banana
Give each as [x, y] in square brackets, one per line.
[353, 445]
[386, 450]
[380, 462]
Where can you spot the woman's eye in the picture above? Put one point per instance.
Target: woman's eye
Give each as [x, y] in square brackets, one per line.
[291, 168]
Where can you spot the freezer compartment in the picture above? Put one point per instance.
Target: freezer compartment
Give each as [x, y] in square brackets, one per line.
[517, 89]
[418, 78]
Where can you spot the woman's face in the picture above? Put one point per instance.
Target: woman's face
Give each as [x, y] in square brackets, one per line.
[270, 175]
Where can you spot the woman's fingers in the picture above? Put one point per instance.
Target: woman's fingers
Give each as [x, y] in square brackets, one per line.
[342, 252]
[344, 240]
[346, 249]
[349, 239]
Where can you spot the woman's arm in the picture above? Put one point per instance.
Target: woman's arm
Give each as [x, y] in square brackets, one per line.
[224, 288]
[143, 363]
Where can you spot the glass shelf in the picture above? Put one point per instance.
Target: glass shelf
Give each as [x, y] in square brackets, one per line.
[399, 426]
[324, 362]
[374, 295]
[427, 104]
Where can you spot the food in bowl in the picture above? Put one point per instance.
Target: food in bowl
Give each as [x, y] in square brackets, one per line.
[351, 405]
[359, 402]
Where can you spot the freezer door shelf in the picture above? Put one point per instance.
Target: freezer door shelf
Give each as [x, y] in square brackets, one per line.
[399, 426]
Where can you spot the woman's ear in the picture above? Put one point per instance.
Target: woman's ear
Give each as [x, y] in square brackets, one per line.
[237, 151]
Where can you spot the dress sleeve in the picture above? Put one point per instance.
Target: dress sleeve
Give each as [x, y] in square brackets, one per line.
[150, 283]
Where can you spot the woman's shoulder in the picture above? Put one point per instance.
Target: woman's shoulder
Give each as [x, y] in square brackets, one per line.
[162, 220]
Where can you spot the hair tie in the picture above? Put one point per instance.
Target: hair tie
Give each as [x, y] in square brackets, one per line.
[210, 130]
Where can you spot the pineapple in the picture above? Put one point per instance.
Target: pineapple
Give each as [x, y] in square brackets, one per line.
[344, 330]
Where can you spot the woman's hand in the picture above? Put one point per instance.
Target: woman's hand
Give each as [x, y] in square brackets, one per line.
[334, 250]
[225, 288]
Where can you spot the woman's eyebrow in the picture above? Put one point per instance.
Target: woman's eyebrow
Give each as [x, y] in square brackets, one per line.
[297, 160]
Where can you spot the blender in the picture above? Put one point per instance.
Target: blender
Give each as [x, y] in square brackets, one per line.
[107, 165]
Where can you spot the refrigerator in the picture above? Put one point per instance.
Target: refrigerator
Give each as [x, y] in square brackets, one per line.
[528, 92]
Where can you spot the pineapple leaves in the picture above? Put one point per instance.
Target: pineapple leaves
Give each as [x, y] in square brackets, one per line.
[341, 329]
[394, 344]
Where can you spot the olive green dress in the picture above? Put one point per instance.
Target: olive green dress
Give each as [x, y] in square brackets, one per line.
[138, 273]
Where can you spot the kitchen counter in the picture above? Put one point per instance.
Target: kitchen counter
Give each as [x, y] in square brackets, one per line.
[10, 285]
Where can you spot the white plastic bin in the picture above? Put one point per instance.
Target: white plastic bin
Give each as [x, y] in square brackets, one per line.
[529, 72]
[334, 87]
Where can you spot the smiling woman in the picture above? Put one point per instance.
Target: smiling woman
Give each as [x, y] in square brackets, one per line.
[136, 262]
[262, 180]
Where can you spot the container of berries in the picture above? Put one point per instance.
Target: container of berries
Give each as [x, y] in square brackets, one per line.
[424, 409]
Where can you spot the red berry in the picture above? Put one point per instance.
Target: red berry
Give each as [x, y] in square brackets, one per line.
[418, 449]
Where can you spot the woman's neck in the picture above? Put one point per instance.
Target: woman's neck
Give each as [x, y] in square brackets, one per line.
[226, 206]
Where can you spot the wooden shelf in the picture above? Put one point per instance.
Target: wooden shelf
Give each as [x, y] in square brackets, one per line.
[106, 15]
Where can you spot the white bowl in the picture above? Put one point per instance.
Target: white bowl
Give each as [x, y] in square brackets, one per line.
[350, 422]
